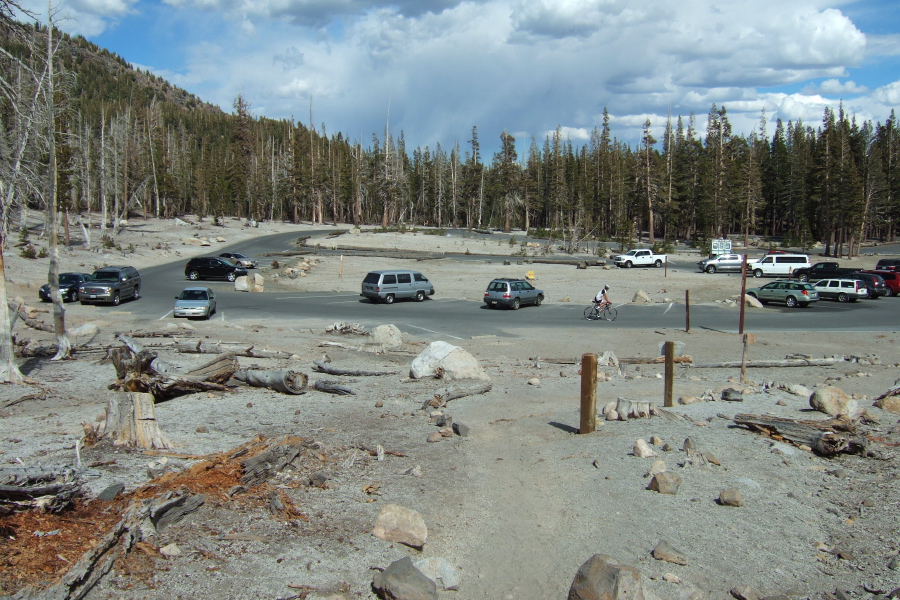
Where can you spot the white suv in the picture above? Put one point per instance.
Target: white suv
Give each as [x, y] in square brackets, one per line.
[842, 290]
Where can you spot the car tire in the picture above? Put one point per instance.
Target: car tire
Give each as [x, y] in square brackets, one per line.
[888, 292]
[420, 296]
[758, 273]
[628, 264]
[516, 304]
[116, 299]
[83, 303]
[389, 299]
[791, 302]
[137, 292]
[73, 296]
[843, 297]
[538, 300]
[193, 275]
[658, 263]
[711, 269]
[231, 276]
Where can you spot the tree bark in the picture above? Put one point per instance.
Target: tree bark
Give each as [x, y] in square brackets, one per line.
[131, 421]
[288, 382]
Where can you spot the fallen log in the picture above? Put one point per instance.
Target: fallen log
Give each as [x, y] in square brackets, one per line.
[144, 372]
[827, 438]
[288, 382]
[801, 362]
[642, 360]
[202, 347]
[634, 409]
[445, 395]
[333, 387]
[19, 311]
[323, 368]
[26, 488]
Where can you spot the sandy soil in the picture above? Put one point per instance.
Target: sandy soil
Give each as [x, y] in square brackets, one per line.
[520, 503]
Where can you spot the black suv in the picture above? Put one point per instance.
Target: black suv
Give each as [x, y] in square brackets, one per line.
[110, 285]
[212, 267]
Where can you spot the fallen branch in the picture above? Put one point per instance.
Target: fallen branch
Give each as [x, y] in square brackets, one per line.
[822, 436]
[202, 347]
[800, 362]
[323, 368]
[333, 387]
[19, 311]
[288, 382]
[641, 360]
[445, 395]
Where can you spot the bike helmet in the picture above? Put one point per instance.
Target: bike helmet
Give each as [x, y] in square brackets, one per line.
[605, 288]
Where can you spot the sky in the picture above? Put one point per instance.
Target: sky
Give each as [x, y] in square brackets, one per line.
[433, 69]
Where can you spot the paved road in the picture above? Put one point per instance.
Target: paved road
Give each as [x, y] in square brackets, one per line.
[452, 317]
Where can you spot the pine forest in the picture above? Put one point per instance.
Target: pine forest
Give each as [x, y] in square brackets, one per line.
[127, 142]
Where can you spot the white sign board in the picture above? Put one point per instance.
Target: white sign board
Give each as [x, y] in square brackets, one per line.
[722, 246]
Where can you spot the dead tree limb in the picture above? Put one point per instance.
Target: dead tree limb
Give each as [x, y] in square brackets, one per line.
[333, 387]
[801, 362]
[445, 395]
[288, 382]
[202, 347]
[824, 437]
[323, 368]
[19, 310]
[143, 372]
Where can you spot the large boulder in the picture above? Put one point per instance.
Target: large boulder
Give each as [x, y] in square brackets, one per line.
[751, 301]
[889, 403]
[403, 581]
[446, 361]
[259, 284]
[604, 578]
[834, 402]
[388, 336]
[641, 297]
[242, 284]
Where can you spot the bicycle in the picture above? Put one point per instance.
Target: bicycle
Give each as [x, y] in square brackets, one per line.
[596, 312]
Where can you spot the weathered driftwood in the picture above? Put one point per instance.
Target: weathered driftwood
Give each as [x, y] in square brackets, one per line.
[445, 395]
[288, 382]
[141, 371]
[635, 360]
[333, 387]
[131, 421]
[634, 409]
[204, 347]
[276, 458]
[824, 437]
[21, 311]
[894, 391]
[803, 362]
[25, 488]
[321, 367]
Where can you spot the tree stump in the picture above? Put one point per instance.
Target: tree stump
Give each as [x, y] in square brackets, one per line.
[131, 421]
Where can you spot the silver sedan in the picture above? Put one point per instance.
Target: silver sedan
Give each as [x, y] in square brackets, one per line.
[195, 302]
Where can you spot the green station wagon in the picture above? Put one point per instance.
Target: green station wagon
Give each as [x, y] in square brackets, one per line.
[791, 293]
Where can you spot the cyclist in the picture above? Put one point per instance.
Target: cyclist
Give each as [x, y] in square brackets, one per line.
[602, 298]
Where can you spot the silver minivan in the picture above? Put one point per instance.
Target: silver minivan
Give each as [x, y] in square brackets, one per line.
[392, 285]
[722, 262]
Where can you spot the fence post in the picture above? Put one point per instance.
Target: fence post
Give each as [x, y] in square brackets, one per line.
[588, 393]
[670, 373]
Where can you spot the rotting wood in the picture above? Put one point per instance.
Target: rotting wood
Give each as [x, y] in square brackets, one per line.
[827, 438]
[634, 409]
[20, 311]
[131, 421]
[321, 367]
[445, 395]
[288, 382]
[811, 362]
[26, 488]
[143, 372]
[278, 455]
[333, 387]
[635, 360]
[249, 351]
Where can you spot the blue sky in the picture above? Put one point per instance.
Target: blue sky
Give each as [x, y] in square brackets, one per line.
[436, 68]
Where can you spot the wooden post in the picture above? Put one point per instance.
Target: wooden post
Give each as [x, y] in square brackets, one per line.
[341, 273]
[743, 292]
[746, 339]
[666, 267]
[670, 373]
[687, 311]
[588, 393]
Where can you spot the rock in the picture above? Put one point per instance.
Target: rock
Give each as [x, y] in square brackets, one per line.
[665, 551]
[612, 416]
[202, 429]
[258, 283]
[732, 395]
[608, 407]
[192, 241]
[446, 361]
[656, 440]
[894, 565]
[745, 592]
[111, 492]
[751, 301]
[688, 445]
[796, 389]
[318, 479]
[658, 466]
[379, 404]
[398, 524]
[444, 574]
[890, 404]
[833, 401]
[534, 381]
[671, 578]
[461, 429]
[388, 336]
[711, 458]
[641, 297]
[685, 400]
[434, 437]
[403, 581]
[643, 450]
[170, 550]
[731, 497]
[242, 284]
[602, 577]
[83, 334]
[665, 483]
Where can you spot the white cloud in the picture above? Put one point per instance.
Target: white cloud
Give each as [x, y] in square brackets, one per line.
[888, 94]
[836, 87]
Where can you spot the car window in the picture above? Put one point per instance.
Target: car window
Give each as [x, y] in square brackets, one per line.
[420, 277]
[404, 278]
[105, 276]
[527, 286]
[371, 278]
[390, 280]
[497, 286]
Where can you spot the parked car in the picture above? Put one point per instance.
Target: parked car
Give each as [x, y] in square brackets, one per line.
[888, 264]
[842, 290]
[110, 285]
[240, 259]
[778, 264]
[68, 287]
[874, 284]
[891, 281]
[195, 302]
[512, 293]
[791, 293]
[212, 267]
[823, 270]
[722, 262]
[393, 285]
[639, 258]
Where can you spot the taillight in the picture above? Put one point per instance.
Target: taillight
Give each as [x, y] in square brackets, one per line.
[507, 295]
[805, 293]
[377, 289]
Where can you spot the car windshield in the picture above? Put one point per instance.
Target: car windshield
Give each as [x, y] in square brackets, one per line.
[228, 262]
[67, 279]
[105, 276]
[237, 255]
[193, 295]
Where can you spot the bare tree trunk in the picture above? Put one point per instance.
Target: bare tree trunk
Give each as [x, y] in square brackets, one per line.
[9, 369]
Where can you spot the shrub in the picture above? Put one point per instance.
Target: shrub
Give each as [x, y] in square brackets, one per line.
[107, 242]
[275, 264]
[28, 251]
[42, 253]
[512, 240]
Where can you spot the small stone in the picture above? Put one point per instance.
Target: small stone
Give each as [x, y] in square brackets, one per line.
[170, 550]
[894, 565]
[689, 445]
[667, 447]
[658, 466]
[665, 551]
[461, 429]
[731, 497]
[671, 578]
[710, 458]
[608, 407]
[732, 395]
[435, 437]
[318, 479]
[401, 580]
[437, 569]
[665, 483]
[643, 450]
[745, 592]
[781, 403]
[379, 404]
[685, 400]
[398, 524]
[612, 416]
[868, 503]
[534, 381]
[656, 440]
[202, 429]
[111, 492]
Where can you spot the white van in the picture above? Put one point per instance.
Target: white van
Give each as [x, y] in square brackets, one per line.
[779, 265]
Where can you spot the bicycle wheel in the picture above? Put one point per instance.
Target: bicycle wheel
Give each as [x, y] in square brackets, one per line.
[610, 314]
[590, 313]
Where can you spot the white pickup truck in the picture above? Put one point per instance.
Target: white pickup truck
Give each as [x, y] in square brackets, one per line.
[639, 258]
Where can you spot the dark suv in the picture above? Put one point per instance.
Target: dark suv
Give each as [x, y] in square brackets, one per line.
[212, 267]
[888, 264]
[512, 293]
[110, 285]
